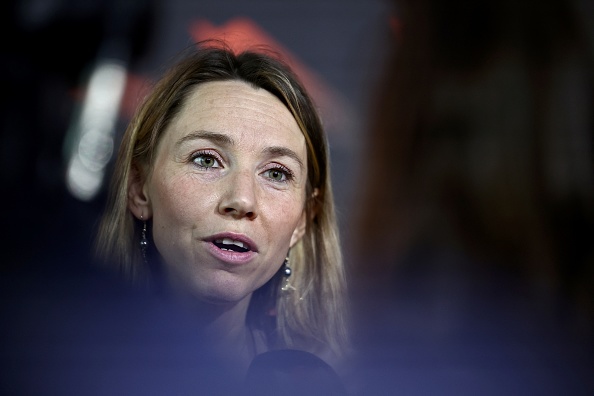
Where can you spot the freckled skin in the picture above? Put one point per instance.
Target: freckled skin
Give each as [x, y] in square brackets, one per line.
[189, 203]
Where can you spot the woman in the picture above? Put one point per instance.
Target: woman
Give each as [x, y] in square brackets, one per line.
[222, 185]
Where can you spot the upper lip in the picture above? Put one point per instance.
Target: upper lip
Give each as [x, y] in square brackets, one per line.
[248, 243]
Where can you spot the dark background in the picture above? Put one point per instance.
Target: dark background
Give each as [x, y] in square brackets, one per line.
[65, 329]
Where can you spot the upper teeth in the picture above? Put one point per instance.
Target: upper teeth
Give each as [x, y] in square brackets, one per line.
[229, 241]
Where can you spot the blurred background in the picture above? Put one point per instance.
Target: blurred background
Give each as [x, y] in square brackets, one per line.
[462, 160]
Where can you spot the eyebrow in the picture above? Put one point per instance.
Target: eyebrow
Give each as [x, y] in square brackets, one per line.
[215, 137]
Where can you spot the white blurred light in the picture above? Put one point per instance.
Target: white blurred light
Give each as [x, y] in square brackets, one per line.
[94, 130]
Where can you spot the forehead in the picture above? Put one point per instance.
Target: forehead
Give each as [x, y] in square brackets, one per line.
[238, 109]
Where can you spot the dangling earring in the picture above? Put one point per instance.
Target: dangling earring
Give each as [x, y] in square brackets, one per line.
[143, 241]
[287, 270]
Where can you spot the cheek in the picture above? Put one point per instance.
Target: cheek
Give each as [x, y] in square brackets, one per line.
[179, 203]
[284, 217]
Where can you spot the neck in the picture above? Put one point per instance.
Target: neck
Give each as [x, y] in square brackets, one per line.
[224, 329]
[224, 322]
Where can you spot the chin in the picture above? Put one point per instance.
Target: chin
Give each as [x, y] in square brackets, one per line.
[214, 287]
[219, 299]
[221, 292]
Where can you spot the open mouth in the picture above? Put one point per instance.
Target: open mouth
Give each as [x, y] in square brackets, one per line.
[231, 245]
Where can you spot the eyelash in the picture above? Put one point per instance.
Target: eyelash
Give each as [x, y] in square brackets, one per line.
[205, 153]
[284, 170]
[289, 176]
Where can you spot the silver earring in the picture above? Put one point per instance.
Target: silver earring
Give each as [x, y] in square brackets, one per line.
[143, 241]
[287, 285]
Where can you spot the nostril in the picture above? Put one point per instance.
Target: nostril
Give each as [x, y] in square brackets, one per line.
[250, 215]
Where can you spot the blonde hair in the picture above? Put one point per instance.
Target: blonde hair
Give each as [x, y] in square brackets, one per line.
[314, 314]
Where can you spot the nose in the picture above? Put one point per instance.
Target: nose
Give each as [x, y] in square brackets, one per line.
[239, 198]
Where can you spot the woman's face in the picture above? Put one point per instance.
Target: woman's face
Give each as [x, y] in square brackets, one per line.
[227, 191]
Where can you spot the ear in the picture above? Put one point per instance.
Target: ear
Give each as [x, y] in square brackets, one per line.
[299, 230]
[138, 199]
[314, 196]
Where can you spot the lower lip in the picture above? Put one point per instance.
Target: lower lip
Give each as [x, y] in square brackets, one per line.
[229, 256]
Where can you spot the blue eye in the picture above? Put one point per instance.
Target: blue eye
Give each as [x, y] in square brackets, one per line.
[279, 174]
[205, 161]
